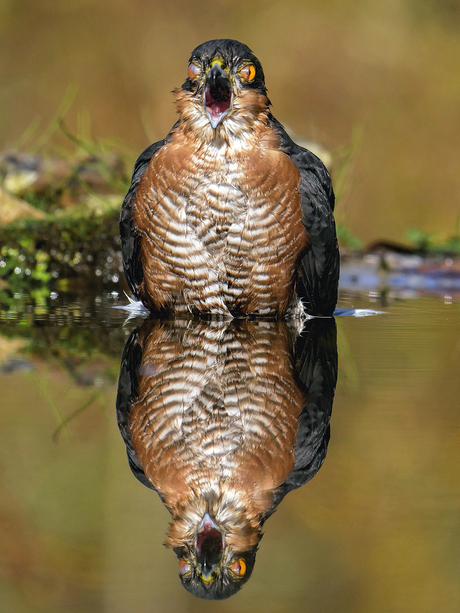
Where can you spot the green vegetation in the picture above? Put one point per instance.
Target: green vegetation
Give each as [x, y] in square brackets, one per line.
[429, 244]
[37, 253]
[79, 190]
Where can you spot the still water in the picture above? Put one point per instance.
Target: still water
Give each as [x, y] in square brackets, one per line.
[376, 529]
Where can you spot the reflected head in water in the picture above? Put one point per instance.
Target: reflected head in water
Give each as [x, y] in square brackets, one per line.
[223, 419]
[211, 569]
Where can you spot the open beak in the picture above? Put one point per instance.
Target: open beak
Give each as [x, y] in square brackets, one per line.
[218, 94]
[209, 544]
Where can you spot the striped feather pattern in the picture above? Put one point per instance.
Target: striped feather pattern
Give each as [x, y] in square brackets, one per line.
[220, 220]
[214, 426]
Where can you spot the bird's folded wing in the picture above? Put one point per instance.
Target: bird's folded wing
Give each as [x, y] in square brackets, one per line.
[318, 273]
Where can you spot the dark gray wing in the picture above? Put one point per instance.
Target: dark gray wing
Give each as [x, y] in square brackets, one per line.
[316, 364]
[130, 240]
[127, 393]
[318, 273]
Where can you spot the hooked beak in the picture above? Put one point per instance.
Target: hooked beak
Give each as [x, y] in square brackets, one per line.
[209, 544]
[218, 94]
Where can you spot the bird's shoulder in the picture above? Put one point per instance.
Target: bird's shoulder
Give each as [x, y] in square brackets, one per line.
[143, 161]
[130, 241]
[318, 273]
[314, 174]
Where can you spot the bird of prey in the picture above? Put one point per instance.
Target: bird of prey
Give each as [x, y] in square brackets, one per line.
[223, 418]
[228, 216]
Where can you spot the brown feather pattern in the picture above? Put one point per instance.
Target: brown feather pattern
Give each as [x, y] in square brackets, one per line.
[214, 425]
[220, 232]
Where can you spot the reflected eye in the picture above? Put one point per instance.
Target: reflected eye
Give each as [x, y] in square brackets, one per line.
[193, 71]
[238, 568]
[248, 72]
[184, 567]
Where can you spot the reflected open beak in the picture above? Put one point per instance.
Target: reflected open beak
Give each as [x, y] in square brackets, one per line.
[209, 544]
[218, 94]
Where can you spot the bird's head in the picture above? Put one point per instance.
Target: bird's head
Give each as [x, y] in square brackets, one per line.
[225, 86]
[216, 550]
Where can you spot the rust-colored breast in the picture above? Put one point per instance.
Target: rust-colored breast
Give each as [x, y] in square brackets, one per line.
[221, 227]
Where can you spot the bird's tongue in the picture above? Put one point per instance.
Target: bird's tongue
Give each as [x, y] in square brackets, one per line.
[209, 540]
[217, 99]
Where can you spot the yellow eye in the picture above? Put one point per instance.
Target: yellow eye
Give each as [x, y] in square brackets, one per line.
[248, 72]
[238, 568]
[184, 567]
[193, 71]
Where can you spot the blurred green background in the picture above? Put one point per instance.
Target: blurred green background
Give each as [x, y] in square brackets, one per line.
[381, 78]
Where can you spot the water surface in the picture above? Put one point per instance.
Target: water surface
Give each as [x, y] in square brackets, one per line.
[376, 530]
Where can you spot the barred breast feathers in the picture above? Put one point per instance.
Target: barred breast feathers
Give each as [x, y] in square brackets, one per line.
[223, 233]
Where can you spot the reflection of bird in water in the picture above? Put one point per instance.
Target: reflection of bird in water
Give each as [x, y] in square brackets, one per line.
[227, 215]
[222, 420]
